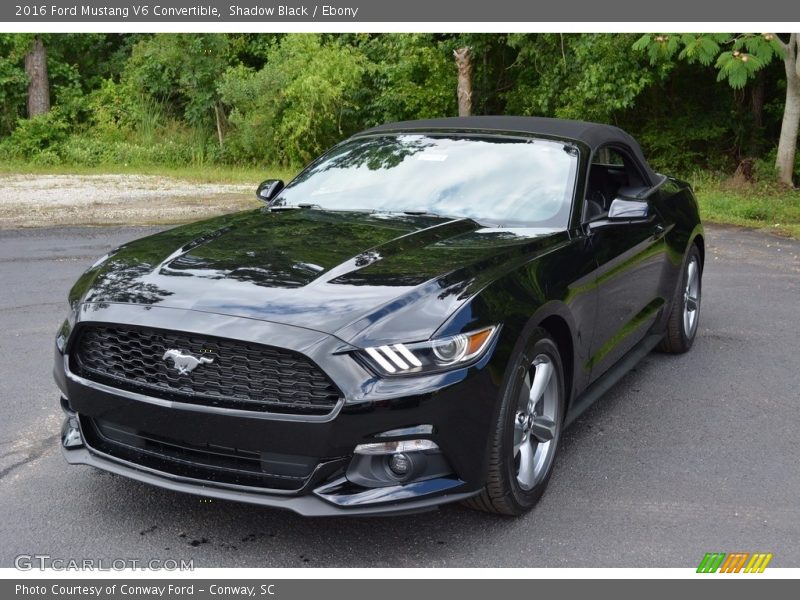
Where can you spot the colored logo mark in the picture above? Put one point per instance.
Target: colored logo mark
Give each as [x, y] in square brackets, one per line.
[735, 562]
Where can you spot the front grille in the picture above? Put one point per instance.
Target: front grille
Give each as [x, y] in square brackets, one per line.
[238, 374]
[208, 462]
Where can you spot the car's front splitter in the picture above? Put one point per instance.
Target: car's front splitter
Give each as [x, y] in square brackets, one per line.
[412, 500]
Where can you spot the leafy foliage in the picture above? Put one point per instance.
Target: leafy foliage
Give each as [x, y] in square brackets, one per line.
[410, 76]
[13, 84]
[181, 70]
[588, 77]
[257, 99]
[37, 135]
[738, 57]
[296, 105]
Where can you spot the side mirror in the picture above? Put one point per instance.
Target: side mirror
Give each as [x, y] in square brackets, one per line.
[269, 189]
[625, 210]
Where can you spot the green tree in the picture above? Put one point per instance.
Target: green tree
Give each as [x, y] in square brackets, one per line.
[297, 105]
[408, 76]
[577, 76]
[13, 84]
[182, 71]
[738, 58]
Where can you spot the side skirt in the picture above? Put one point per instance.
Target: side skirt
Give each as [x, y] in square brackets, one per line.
[607, 380]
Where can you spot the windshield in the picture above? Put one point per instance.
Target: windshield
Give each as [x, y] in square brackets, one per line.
[501, 180]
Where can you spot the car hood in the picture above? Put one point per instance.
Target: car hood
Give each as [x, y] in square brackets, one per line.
[363, 277]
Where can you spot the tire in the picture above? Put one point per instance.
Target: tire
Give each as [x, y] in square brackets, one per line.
[683, 319]
[510, 488]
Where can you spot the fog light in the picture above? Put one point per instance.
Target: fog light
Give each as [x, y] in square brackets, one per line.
[386, 464]
[400, 464]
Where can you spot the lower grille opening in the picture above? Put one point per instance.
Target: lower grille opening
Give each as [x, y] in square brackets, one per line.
[209, 463]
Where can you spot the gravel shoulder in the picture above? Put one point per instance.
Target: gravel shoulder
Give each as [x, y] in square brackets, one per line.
[64, 200]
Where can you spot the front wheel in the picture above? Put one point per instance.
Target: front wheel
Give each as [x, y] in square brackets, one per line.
[685, 311]
[528, 430]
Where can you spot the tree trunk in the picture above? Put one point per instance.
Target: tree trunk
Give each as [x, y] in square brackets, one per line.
[463, 58]
[787, 145]
[39, 86]
[222, 122]
[757, 99]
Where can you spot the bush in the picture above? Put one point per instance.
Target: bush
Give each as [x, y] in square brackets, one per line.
[46, 158]
[32, 136]
[112, 110]
[90, 151]
[766, 172]
[679, 145]
[296, 106]
[180, 71]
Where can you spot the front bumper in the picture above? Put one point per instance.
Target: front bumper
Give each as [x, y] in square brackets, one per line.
[458, 406]
[419, 498]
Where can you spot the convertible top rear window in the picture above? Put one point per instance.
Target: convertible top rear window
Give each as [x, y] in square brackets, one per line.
[502, 180]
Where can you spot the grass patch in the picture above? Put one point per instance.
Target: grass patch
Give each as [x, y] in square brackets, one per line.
[758, 206]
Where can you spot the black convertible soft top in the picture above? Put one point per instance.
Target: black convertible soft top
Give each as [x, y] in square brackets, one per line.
[593, 135]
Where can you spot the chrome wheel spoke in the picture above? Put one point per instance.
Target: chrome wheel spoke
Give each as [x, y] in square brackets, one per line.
[535, 422]
[519, 432]
[691, 303]
[543, 428]
[525, 393]
[541, 379]
[527, 470]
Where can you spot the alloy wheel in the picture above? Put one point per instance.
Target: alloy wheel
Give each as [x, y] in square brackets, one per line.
[535, 423]
[691, 297]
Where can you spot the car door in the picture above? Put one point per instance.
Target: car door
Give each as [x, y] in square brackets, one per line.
[630, 253]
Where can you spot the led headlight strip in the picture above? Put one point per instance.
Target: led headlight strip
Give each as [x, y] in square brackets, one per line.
[393, 358]
[433, 355]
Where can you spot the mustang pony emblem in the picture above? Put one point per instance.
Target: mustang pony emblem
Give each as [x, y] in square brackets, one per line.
[185, 363]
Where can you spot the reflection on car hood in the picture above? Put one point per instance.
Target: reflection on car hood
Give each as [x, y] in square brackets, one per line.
[337, 272]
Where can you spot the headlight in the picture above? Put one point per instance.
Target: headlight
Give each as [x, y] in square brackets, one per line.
[430, 356]
[66, 327]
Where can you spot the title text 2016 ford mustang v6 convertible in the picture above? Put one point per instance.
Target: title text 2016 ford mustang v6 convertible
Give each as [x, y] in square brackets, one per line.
[413, 320]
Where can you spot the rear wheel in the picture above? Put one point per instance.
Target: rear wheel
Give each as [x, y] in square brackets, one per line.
[685, 312]
[525, 441]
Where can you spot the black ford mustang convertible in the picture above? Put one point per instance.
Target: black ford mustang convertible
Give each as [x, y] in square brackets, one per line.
[412, 320]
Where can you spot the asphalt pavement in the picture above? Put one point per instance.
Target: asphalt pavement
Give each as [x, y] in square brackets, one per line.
[686, 455]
